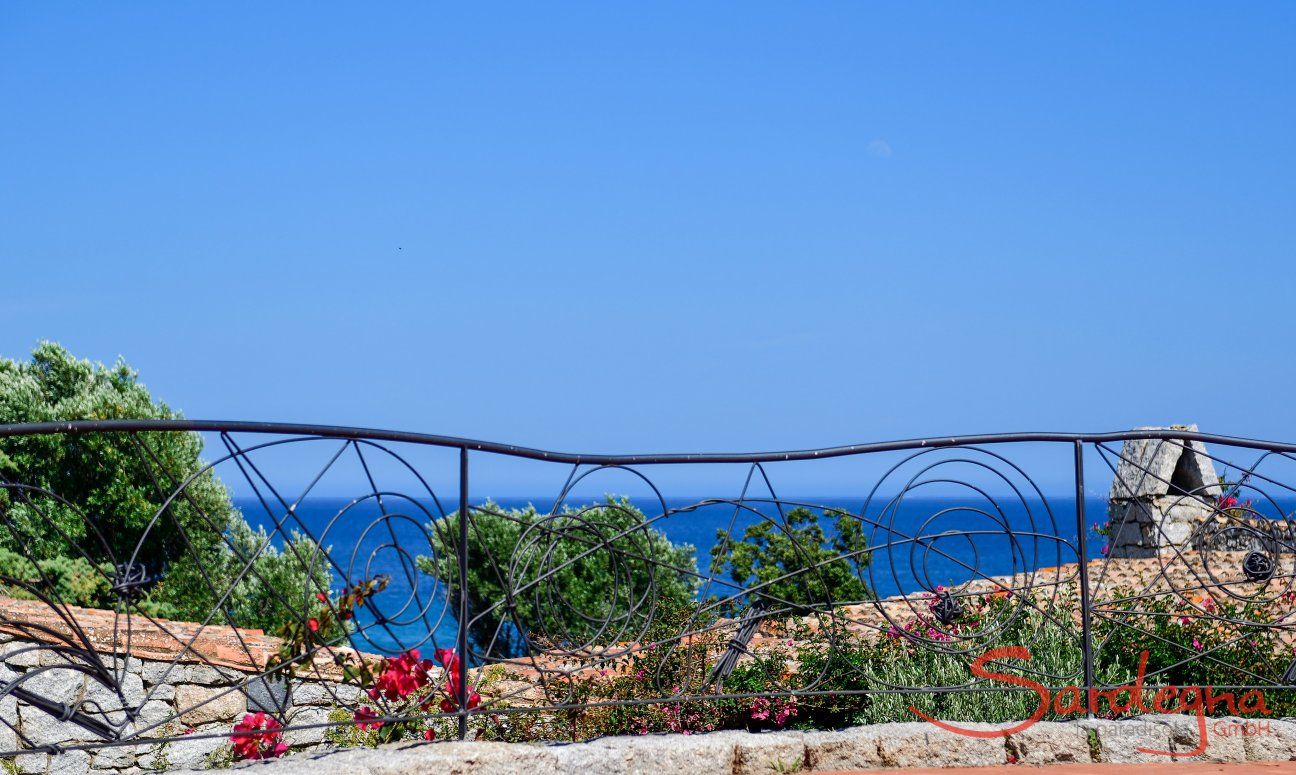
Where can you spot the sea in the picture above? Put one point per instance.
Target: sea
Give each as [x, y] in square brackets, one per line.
[917, 544]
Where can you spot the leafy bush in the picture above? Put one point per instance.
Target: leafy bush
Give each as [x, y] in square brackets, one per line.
[72, 580]
[587, 574]
[793, 565]
[1210, 641]
[109, 488]
[821, 673]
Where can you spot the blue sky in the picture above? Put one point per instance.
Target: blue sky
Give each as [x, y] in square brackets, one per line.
[662, 228]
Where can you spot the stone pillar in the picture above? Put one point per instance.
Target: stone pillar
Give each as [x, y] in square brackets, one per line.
[1163, 490]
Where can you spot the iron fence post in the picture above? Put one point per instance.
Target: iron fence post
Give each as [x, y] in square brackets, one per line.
[463, 593]
[1086, 630]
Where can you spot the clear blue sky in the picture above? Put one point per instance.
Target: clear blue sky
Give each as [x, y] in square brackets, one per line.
[665, 227]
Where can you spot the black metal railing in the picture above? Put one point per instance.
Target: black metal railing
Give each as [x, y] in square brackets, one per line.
[300, 560]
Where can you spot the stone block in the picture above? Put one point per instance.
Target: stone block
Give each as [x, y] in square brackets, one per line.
[1186, 736]
[767, 752]
[133, 664]
[153, 715]
[161, 692]
[163, 672]
[42, 728]
[1050, 743]
[269, 695]
[106, 698]
[113, 757]
[318, 693]
[201, 704]
[8, 720]
[213, 676]
[306, 716]
[449, 758]
[1147, 467]
[20, 653]
[1276, 743]
[919, 744]
[1120, 742]
[860, 748]
[70, 763]
[59, 684]
[30, 764]
[191, 753]
[649, 754]
[846, 749]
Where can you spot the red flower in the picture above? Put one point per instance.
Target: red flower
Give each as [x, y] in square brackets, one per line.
[364, 718]
[320, 596]
[449, 658]
[429, 734]
[401, 676]
[451, 703]
[258, 736]
[313, 624]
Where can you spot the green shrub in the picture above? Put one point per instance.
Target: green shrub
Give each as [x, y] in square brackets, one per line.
[73, 580]
[1215, 641]
[838, 674]
[594, 573]
[793, 564]
[109, 489]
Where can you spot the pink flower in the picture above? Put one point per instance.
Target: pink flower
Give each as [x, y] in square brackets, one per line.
[448, 658]
[787, 708]
[401, 677]
[450, 704]
[364, 718]
[258, 736]
[1197, 644]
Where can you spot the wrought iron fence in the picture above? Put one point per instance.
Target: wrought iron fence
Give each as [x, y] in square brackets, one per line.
[139, 608]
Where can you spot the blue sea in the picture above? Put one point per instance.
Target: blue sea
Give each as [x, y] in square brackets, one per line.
[957, 542]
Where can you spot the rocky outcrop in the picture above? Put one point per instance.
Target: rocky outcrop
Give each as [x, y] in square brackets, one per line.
[1163, 491]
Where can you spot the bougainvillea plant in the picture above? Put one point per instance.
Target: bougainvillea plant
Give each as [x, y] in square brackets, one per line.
[258, 736]
[328, 625]
[404, 688]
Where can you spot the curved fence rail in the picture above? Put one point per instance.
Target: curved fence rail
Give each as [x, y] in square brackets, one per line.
[178, 591]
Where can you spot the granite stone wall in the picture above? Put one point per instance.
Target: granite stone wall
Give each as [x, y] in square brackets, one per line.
[880, 746]
[184, 679]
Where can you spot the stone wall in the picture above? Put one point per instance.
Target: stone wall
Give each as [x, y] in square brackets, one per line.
[909, 744]
[185, 679]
